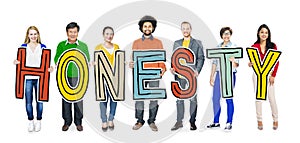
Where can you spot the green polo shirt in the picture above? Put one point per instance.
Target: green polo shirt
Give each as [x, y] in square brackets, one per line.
[63, 46]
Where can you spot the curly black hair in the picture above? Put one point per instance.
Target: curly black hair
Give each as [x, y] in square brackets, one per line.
[147, 18]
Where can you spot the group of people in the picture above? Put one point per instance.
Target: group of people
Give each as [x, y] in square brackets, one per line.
[147, 26]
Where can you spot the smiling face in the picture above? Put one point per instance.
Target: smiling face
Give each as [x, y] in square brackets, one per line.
[263, 34]
[226, 36]
[33, 35]
[147, 28]
[72, 34]
[108, 35]
[186, 30]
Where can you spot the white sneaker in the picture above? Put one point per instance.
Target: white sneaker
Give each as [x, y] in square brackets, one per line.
[30, 126]
[37, 126]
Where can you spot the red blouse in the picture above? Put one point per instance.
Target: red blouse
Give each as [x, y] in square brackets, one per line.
[262, 56]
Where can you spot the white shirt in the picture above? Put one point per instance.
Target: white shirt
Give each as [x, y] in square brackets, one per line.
[33, 59]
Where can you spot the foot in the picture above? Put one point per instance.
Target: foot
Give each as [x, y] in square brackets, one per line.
[177, 126]
[37, 126]
[228, 127]
[30, 126]
[260, 125]
[153, 127]
[275, 125]
[111, 125]
[137, 126]
[65, 127]
[193, 126]
[104, 127]
[213, 125]
[79, 128]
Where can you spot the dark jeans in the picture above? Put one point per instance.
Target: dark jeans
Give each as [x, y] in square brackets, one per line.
[30, 84]
[67, 107]
[153, 106]
[180, 106]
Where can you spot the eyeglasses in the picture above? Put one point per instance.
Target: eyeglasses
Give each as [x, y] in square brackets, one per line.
[226, 33]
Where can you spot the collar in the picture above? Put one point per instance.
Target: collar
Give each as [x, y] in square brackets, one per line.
[67, 42]
[229, 44]
[151, 37]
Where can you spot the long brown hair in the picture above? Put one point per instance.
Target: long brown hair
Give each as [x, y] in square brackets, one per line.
[27, 40]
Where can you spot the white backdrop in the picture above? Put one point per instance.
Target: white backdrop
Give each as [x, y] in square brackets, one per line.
[244, 17]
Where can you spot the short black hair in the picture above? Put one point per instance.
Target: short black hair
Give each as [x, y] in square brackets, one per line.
[147, 18]
[223, 29]
[72, 25]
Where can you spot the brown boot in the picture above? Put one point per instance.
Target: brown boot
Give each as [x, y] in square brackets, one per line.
[260, 125]
[275, 125]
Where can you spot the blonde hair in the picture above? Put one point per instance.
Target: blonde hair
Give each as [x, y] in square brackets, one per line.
[27, 40]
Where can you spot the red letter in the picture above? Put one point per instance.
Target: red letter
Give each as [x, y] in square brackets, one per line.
[42, 71]
[185, 71]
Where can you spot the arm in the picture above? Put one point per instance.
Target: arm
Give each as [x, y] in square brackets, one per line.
[199, 57]
[212, 74]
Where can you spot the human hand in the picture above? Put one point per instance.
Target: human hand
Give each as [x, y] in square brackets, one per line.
[212, 81]
[131, 64]
[271, 80]
[51, 69]
[250, 64]
[172, 70]
[16, 62]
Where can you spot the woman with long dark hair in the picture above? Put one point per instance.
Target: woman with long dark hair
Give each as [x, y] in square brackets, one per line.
[263, 44]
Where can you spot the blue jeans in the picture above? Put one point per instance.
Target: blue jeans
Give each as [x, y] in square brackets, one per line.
[216, 100]
[103, 108]
[180, 107]
[30, 84]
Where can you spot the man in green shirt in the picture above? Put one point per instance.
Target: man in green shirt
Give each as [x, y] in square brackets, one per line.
[72, 42]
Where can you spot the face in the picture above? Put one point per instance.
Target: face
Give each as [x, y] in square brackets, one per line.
[186, 30]
[263, 34]
[226, 36]
[108, 35]
[147, 28]
[72, 34]
[33, 35]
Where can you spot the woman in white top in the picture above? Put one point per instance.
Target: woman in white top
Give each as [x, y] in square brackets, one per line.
[34, 49]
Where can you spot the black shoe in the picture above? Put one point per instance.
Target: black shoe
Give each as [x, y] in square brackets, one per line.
[65, 127]
[79, 128]
[213, 125]
[228, 127]
[177, 126]
[193, 126]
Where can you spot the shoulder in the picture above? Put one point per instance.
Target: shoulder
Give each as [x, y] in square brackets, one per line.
[24, 45]
[256, 45]
[157, 40]
[98, 47]
[62, 43]
[116, 46]
[43, 46]
[275, 46]
[81, 43]
[199, 42]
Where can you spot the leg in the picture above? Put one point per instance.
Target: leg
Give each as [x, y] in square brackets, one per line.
[28, 99]
[39, 105]
[273, 103]
[230, 105]
[78, 113]
[103, 108]
[113, 106]
[180, 110]
[193, 109]
[153, 108]
[139, 111]
[216, 98]
[67, 112]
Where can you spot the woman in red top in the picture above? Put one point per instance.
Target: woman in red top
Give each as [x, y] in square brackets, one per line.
[263, 44]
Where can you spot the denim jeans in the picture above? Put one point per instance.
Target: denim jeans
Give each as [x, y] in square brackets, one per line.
[180, 106]
[153, 106]
[30, 84]
[216, 100]
[67, 107]
[103, 108]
